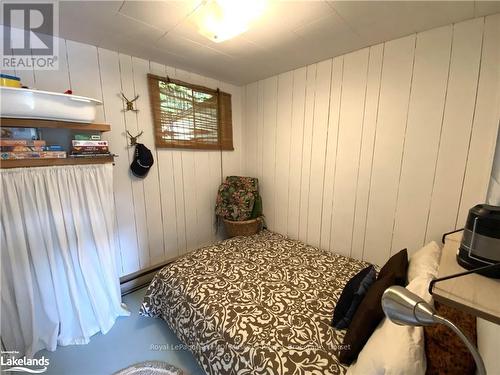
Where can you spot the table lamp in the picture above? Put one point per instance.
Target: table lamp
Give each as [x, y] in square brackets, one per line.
[403, 307]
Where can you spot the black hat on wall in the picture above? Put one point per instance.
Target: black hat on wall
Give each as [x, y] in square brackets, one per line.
[143, 161]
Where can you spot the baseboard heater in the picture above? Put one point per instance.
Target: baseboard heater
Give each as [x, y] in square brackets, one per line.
[137, 280]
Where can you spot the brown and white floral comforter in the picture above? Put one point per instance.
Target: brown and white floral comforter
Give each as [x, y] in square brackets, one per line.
[255, 305]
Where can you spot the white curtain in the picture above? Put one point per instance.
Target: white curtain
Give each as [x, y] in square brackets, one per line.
[59, 282]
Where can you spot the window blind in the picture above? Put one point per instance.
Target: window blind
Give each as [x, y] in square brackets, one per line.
[190, 116]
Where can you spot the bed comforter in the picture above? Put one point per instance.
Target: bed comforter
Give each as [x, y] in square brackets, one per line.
[255, 305]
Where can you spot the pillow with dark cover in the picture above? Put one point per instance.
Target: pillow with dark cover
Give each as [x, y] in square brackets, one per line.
[398, 266]
[351, 297]
[365, 320]
[445, 352]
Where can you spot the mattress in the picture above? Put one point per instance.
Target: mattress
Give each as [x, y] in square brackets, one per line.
[261, 304]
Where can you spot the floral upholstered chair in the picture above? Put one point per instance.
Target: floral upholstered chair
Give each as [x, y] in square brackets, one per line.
[238, 200]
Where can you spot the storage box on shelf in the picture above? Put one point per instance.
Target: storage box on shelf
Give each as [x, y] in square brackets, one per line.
[54, 124]
[35, 123]
[28, 103]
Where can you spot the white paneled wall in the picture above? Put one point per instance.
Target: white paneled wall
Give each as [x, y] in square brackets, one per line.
[383, 148]
[171, 211]
[380, 149]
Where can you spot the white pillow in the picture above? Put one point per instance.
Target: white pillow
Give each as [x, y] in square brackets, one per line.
[424, 262]
[393, 349]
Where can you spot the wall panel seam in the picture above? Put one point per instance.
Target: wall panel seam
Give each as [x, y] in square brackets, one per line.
[142, 181]
[155, 150]
[373, 152]
[128, 157]
[67, 63]
[404, 142]
[302, 152]
[359, 154]
[472, 122]
[115, 224]
[290, 150]
[311, 147]
[326, 151]
[440, 136]
[332, 216]
[275, 148]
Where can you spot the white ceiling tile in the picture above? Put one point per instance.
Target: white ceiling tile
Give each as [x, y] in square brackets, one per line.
[383, 20]
[330, 25]
[189, 30]
[236, 47]
[283, 16]
[100, 21]
[163, 15]
[252, 69]
[140, 32]
[84, 22]
[483, 8]
[288, 35]
[239, 48]
[329, 36]
[293, 14]
[189, 49]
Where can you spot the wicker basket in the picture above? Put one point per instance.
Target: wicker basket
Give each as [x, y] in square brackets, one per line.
[242, 228]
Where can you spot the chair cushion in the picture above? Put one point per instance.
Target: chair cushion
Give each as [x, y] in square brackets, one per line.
[236, 198]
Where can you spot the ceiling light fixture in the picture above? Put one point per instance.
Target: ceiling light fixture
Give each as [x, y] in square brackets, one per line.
[220, 20]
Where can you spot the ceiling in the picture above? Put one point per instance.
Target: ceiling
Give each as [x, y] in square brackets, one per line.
[289, 35]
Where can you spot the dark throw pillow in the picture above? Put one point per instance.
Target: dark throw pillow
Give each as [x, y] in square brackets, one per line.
[398, 266]
[352, 295]
[365, 320]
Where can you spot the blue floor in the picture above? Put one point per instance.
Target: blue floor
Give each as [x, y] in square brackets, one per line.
[128, 342]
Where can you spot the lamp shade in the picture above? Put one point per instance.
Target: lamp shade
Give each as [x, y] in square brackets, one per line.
[406, 308]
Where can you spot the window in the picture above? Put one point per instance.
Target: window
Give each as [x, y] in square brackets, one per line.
[190, 116]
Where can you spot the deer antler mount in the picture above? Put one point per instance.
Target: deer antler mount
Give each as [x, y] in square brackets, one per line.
[130, 103]
[133, 139]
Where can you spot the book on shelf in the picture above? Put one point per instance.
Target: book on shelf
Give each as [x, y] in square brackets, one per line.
[77, 143]
[21, 148]
[22, 142]
[30, 147]
[53, 148]
[33, 155]
[90, 155]
[90, 149]
[87, 137]
[19, 133]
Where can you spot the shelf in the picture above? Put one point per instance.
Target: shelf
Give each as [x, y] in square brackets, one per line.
[475, 294]
[36, 123]
[23, 163]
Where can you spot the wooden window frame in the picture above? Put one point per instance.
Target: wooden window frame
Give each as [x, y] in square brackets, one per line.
[224, 117]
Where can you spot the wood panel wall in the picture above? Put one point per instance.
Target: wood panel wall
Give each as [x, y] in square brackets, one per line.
[380, 149]
[171, 211]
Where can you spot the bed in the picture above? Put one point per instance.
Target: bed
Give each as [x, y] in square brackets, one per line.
[255, 305]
